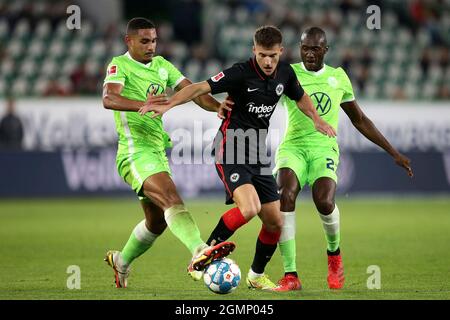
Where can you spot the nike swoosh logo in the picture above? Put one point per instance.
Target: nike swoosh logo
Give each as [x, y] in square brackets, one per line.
[251, 90]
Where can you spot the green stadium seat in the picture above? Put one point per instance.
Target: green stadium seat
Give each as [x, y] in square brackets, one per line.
[98, 49]
[4, 29]
[436, 73]
[20, 87]
[15, 47]
[371, 91]
[40, 85]
[49, 68]
[7, 67]
[22, 29]
[69, 66]
[119, 48]
[3, 87]
[36, 48]
[28, 68]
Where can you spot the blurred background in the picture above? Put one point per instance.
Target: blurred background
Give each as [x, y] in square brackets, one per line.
[57, 140]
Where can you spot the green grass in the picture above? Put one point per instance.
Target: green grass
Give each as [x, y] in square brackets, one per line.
[409, 239]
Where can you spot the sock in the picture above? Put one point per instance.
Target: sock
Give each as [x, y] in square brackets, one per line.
[287, 242]
[141, 239]
[183, 226]
[253, 275]
[265, 247]
[331, 227]
[228, 224]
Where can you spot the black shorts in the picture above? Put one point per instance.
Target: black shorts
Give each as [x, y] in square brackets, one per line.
[235, 175]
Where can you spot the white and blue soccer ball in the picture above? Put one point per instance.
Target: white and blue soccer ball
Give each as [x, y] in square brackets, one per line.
[222, 276]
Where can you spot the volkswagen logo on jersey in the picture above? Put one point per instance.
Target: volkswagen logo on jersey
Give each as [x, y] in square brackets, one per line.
[279, 89]
[323, 102]
[155, 88]
[234, 177]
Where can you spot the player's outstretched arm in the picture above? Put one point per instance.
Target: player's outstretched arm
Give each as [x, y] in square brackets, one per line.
[114, 101]
[306, 106]
[186, 94]
[370, 131]
[205, 101]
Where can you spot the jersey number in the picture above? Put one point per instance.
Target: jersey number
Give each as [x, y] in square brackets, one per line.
[330, 164]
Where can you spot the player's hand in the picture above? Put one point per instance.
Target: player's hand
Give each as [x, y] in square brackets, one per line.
[226, 105]
[157, 109]
[405, 163]
[157, 104]
[325, 128]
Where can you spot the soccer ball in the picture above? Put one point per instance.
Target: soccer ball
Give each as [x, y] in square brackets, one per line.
[222, 276]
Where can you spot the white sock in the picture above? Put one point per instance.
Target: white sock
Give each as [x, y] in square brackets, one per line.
[289, 225]
[143, 234]
[253, 275]
[331, 222]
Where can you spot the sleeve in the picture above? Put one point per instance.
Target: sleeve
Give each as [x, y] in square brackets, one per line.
[115, 73]
[226, 80]
[294, 90]
[346, 86]
[174, 76]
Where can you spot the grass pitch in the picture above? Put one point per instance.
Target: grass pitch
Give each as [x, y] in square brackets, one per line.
[408, 239]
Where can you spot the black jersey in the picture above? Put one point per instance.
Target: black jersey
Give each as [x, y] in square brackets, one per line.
[242, 135]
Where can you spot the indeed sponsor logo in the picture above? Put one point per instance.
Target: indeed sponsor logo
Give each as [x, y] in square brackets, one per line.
[262, 110]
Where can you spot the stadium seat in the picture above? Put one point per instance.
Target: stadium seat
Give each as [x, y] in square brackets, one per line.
[49, 68]
[36, 48]
[22, 29]
[20, 87]
[56, 48]
[28, 68]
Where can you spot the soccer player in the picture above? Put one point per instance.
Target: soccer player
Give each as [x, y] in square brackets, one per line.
[131, 82]
[255, 86]
[306, 157]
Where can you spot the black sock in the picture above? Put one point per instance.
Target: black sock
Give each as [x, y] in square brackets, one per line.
[294, 273]
[263, 254]
[335, 253]
[220, 233]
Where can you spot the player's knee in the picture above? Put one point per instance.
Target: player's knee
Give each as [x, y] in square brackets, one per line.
[250, 210]
[168, 199]
[275, 225]
[325, 206]
[287, 199]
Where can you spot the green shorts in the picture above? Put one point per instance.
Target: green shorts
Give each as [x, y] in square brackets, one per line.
[309, 163]
[135, 168]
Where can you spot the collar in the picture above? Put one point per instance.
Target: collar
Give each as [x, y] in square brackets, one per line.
[314, 73]
[128, 55]
[261, 73]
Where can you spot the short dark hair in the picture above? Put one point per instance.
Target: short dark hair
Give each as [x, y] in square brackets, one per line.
[139, 23]
[314, 32]
[268, 36]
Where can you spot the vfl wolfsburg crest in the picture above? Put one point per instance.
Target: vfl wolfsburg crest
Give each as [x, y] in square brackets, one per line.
[163, 74]
[322, 101]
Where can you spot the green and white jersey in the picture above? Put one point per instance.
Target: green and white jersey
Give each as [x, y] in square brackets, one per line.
[328, 88]
[138, 79]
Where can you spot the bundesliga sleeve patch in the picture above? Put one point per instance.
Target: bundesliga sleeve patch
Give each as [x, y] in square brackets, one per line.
[218, 76]
[112, 70]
